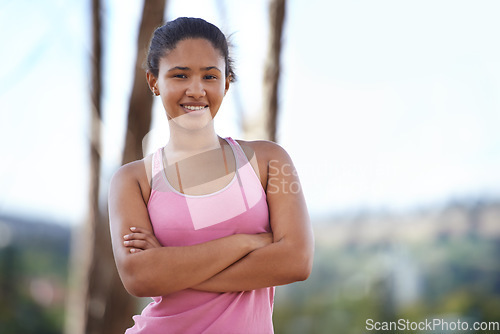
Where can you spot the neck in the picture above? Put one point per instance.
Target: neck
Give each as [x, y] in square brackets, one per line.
[188, 142]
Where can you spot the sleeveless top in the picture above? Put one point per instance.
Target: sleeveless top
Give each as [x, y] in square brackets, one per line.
[183, 220]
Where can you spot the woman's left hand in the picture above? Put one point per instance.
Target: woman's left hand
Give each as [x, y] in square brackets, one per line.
[140, 239]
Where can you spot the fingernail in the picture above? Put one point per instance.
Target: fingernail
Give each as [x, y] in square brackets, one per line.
[125, 236]
[133, 228]
[126, 243]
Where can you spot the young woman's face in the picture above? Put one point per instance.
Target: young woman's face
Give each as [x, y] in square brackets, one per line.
[192, 82]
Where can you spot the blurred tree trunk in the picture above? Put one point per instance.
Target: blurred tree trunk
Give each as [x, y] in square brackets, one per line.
[98, 303]
[272, 67]
[141, 100]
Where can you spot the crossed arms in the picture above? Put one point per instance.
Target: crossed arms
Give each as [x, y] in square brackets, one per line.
[239, 262]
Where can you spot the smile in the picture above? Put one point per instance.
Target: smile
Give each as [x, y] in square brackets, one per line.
[193, 108]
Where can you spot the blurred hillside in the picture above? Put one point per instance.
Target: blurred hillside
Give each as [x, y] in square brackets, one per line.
[33, 275]
[432, 263]
[455, 220]
[429, 263]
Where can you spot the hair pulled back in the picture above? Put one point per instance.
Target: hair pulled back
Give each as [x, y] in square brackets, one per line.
[166, 37]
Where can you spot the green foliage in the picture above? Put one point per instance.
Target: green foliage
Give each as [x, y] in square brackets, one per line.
[33, 272]
[457, 278]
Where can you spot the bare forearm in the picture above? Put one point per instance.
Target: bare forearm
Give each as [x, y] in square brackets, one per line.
[276, 264]
[164, 270]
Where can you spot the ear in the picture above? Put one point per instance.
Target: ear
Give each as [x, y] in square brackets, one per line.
[228, 82]
[152, 81]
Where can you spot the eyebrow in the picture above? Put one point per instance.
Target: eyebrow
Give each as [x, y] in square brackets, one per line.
[183, 68]
[208, 68]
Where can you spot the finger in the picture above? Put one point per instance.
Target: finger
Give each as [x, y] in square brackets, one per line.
[141, 230]
[142, 244]
[135, 236]
[139, 235]
[142, 237]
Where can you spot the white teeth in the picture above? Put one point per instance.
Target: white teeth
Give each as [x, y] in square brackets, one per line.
[194, 107]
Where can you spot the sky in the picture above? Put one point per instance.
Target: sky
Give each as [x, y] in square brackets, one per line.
[384, 104]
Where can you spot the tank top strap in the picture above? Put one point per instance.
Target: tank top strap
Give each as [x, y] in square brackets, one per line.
[239, 153]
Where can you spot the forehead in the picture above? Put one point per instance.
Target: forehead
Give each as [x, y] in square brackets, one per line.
[193, 51]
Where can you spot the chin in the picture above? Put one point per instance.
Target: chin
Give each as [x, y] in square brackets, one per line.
[193, 121]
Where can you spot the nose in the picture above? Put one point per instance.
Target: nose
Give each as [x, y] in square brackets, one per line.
[195, 89]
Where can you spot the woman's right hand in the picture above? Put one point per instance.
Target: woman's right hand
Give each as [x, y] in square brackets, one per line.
[140, 239]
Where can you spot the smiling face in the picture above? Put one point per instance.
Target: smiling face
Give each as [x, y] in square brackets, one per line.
[191, 82]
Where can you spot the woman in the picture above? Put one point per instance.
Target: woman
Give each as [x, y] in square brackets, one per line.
[206, 226]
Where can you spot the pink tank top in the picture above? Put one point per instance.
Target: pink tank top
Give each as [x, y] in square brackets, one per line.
[182, 220]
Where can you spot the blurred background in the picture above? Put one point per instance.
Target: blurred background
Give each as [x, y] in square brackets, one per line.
[389, 109]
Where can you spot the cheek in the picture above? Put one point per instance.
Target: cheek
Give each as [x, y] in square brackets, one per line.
[171, 93]
[169, 99]
[219, 91]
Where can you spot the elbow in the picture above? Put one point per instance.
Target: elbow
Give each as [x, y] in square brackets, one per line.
[299, 262]
[304, 274]
[132, 283]
[141, 290]
[132, 290]
[134, 280]
[139, 280]
[135, 289]
[305, 259]
[302, 266]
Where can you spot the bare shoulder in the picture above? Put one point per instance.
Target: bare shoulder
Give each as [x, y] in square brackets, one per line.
[135, 170]
[136, 173]
[264, 150]
[265, 156]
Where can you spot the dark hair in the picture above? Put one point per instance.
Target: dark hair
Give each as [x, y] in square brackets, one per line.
[166, 37]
